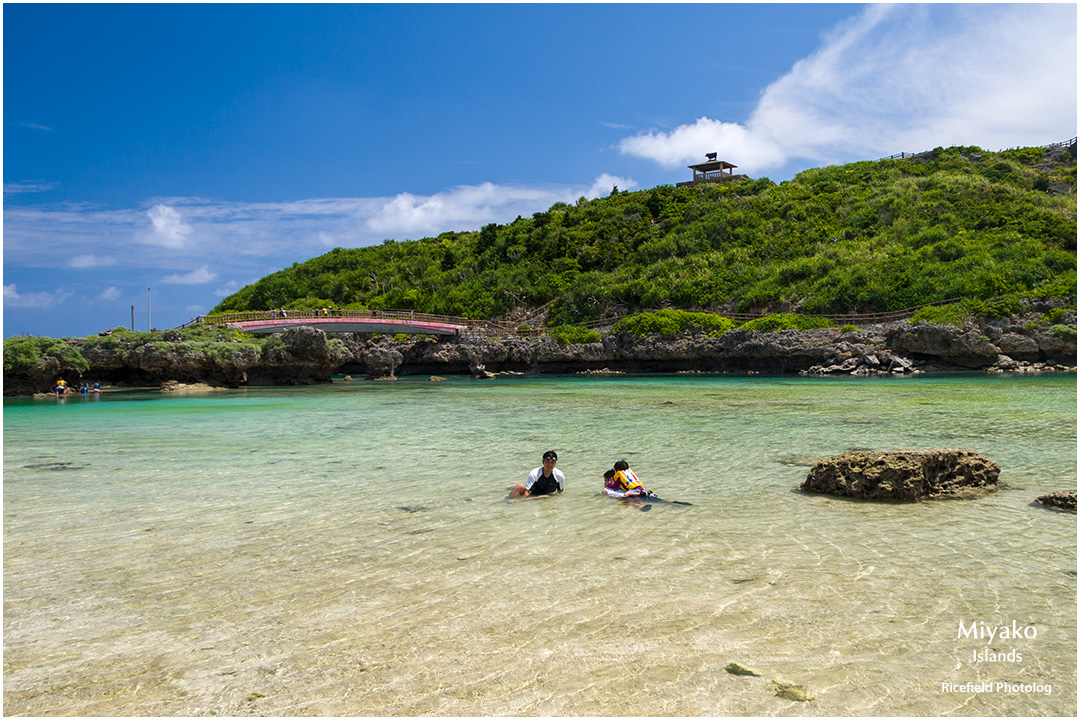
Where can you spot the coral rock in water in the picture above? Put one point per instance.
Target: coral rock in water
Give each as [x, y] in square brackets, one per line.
[1066, 500]
[904, 475]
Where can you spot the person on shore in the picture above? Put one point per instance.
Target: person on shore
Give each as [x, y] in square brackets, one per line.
[542, 481]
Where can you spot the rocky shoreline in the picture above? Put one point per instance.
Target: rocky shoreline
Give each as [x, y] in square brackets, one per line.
[307, 356]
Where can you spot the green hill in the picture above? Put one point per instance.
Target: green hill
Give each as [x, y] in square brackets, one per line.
[959, 222]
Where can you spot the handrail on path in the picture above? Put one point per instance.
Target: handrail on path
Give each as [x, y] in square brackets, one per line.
[494, 327]
[347, 314]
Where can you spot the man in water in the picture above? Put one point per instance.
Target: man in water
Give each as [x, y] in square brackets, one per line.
[544, 480]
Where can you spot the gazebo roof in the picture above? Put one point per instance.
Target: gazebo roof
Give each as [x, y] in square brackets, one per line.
[712, 166]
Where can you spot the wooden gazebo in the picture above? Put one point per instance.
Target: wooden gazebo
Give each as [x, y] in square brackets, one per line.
[711, 171]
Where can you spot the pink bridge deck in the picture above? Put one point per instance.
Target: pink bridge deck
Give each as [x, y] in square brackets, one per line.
[353, 325]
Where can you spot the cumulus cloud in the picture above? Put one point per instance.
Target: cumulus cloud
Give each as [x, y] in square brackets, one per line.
[168, 228]
[232, 244]
[605, 183]
[902, 78]
[200, 276]
[687, 143]
[40, 300]
[462, 208]
[250, 239]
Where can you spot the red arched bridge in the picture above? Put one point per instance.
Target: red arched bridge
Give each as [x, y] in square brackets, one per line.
[355, 321]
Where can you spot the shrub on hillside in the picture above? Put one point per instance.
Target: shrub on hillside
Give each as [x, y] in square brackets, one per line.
[999, 307]
[787, 321]
[310, 303]
[957, 313]
[673, 322]
[574, 334]
[24, 352]
[1065, 332]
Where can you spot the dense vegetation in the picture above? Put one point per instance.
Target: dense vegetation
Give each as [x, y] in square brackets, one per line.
[673, 322]
[24, 353]
[866, 237]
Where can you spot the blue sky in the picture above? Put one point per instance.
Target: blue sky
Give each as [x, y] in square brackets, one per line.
[192, 149]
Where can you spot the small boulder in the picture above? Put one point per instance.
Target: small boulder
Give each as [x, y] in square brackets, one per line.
[174, 386]
[1064, 500]
[740, 669]
[904, 475]
[790, 691]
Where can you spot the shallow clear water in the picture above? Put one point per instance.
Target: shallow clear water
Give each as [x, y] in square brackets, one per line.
[347, 550]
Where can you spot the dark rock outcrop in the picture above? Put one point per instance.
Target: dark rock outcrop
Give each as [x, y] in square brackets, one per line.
[1064, 500]
[41, 378]
[904, 475]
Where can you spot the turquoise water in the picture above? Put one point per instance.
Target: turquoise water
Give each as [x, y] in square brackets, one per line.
[347, 550]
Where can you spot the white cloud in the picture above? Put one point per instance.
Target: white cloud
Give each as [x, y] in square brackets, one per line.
[902, 78]
[603, 185]
[201, 276]
[41, 300]
[169, 229]
[467, 207]
[110, 294]
[15, 188]
[242, 242]
[91, 261]
[689, 143]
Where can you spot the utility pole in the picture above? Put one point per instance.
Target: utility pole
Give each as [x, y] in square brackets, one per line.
[147, 309]
[132, 318]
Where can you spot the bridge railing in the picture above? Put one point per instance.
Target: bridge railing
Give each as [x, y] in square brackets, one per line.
[326, 313]
[491, 327]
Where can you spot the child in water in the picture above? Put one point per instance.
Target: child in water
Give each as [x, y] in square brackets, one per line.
[626, 481]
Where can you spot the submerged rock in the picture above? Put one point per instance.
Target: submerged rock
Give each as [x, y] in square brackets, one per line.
[791, 691]
[740, 669]
[1064, 500]
[904, 475]
[173, 386]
